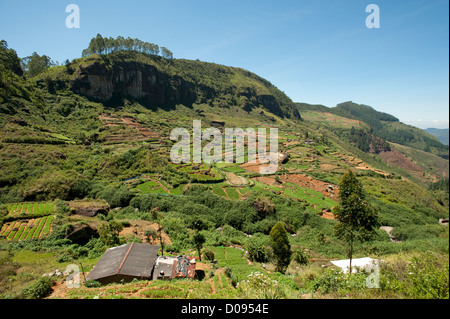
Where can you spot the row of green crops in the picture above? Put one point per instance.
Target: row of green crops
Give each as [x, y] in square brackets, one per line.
[22, 209]
[26, 229]
[159, 187]
[310, 196]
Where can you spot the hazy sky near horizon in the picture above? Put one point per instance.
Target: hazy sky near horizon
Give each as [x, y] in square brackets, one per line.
[318, 52]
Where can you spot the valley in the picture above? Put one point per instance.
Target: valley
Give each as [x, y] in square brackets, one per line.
[86, 146]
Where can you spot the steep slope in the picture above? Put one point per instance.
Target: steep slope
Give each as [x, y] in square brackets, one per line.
[160, 83]
[389, 144]
[441, 134]
[384, 126]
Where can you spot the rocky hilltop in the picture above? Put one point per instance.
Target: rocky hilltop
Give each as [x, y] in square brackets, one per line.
[157, 82]
[133, 80]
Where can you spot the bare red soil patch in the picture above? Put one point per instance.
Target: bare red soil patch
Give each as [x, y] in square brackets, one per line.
[138, 131]
[396, 158]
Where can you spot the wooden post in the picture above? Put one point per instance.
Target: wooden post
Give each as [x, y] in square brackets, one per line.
[82, 270]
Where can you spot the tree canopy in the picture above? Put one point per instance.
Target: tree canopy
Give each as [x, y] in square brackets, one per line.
[36, 64]
[9, 59]
[104, 45]
[279, 242]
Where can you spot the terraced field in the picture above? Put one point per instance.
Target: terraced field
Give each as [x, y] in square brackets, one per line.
[37, 225]
[23, 209]
[154, 186]
[26, 229]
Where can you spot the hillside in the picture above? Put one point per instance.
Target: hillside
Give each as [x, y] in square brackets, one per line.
[90, 142]
[160, 83]
[384, 126]
[441, 134]
[407, 148]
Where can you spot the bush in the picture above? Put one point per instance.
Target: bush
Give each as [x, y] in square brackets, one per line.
[39, 289]
[3, 211]
[208, 254]
[334, 280]
[424, 276]
[116, 196]
[92, 284]
[109, 233]
[409, 232]
[300, 257]
[260, 286]
[257, 248]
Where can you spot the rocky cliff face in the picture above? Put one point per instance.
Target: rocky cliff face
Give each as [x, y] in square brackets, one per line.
[133, 80]
[111, 82]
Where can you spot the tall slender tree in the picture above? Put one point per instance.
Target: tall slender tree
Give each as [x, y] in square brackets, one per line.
[198, 240]
[279, 242]
[157, 217]
[166, 53]
[357, 220]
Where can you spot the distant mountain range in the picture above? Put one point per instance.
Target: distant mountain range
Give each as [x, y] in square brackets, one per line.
[441, 133]
[382, 125]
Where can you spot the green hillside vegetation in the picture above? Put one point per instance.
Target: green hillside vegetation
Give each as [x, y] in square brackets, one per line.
[441, 134]
[61, 142]
[383, 125]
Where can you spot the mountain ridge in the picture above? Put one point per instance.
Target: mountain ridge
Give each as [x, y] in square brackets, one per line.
[441, 134]
[159, 82]
[383, 125]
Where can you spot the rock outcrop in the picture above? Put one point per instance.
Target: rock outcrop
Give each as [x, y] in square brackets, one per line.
[158, 83]
[81, 234]
[142, 82]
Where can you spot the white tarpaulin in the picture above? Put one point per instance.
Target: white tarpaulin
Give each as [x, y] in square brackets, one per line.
[362, 263]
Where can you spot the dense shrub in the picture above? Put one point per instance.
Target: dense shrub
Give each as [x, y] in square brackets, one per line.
[299, 256]
[260, 286]
[424, 276]
[208, 254]
[257, 248]
[39, 289]
[406, 232]
[335, 281]
[92, 284]
[116, 196]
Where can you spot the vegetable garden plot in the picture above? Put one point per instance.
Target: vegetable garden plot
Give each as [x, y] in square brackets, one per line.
[21, 209]
[27, 220]
[26, 229]
[232, 193]
[151, 187]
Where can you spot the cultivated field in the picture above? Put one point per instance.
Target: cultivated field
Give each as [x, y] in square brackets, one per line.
[27, 220]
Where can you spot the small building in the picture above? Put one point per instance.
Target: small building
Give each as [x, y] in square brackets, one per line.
[125, 263]
[174, 267]
[363, 263]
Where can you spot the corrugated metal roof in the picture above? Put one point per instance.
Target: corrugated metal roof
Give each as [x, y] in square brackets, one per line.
[140, 261]
[135, 259]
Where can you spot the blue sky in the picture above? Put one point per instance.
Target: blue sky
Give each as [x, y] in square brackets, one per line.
[316, 51]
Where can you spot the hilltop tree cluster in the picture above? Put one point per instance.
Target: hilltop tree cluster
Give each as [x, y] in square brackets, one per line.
[35, 64]
[9, 60]
[104, 45]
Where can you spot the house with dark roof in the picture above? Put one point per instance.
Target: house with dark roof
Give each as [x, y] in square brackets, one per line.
[140, 261]
[125, 263]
